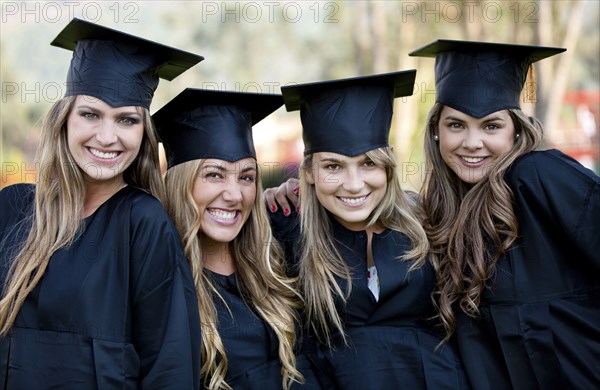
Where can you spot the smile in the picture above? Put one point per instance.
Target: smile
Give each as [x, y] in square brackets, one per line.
[223, 216]
[104, 155]
[472, 161]
[353, 201]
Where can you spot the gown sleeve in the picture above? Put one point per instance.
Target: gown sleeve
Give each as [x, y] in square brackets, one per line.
[557, 190]
[166, 325]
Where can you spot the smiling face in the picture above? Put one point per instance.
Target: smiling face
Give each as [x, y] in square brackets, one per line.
[348, 187]
[103, 140]
[224, 193]
[470, 146]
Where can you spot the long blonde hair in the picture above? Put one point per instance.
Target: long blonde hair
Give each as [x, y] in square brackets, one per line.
[321, 262]
[260, 274]
[469, 228]
[58, 206]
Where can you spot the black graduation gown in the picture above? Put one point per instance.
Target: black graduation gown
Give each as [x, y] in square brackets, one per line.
[250, 343]
[540, 321]
[116, 309]
[391, 344]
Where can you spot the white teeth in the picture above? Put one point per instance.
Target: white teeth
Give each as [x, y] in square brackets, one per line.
[224, 215]
[472, 159]
[100, 154]
[353, 200]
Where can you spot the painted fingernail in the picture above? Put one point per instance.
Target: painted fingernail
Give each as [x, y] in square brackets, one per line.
[296, 190]
[298, 209]
[286, 212]
[273, 208]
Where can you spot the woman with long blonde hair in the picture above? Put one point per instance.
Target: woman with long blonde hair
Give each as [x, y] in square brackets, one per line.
[248, 306]
[361, 253]
[513, 231]
[95, 289]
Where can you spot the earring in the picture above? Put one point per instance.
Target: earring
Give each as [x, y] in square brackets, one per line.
[517, 136]
[436, 137]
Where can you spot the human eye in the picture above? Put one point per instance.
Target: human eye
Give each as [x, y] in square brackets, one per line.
[492, 126]
[455, 125]
[332, 167]
[248, 177]
[213, 175]
[369, 163]
[128, 121]
[88, 115]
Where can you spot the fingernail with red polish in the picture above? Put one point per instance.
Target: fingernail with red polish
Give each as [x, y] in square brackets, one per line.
[286, 212]
[296, 190]
[273, 208]
[298, 209]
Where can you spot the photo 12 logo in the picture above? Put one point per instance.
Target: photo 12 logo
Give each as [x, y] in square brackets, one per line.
[62, 11]
[269, 11]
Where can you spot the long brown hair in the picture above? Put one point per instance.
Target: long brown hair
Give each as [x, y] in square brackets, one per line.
[58, 206]
[469, 227]
[321, 262]
[260, 272]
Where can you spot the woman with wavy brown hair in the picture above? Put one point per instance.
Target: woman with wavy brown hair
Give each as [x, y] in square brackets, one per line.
[513, 231]
[96, 292]
[248, 306]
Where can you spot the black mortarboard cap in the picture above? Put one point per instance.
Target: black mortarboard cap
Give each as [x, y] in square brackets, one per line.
[348, 116]
[479, 78]
[200, 124]
[118, 68]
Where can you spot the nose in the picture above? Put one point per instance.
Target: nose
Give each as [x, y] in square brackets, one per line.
[353, 181]
[472, 140]
[232, 192]
[106, 134]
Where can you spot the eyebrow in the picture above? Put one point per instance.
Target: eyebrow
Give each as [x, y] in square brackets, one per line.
[493, 119]
[330, 159]
[96, 110]
[221, 168]
[453, 118]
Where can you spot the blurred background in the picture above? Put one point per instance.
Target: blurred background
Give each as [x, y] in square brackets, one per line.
[259, 46]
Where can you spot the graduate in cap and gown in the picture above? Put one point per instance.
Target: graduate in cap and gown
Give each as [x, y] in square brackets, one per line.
[358, 246]
[96, 292]
[248, 306]
[513, 231]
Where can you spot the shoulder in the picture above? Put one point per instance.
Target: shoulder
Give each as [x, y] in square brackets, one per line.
[550, 165]
[16, 201]
[17, 194]
[144, 206]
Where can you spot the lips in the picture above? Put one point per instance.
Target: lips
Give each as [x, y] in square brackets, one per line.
[103, 155]
[354, 201]
[223, 216]
[472, 161]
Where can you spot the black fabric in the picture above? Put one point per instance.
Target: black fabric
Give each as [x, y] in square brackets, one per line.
[250, 342]
[391, 342]
[116, 309]
[118, 68]
[479, 78]
[539, 326]
[347, 116]
[199, 124]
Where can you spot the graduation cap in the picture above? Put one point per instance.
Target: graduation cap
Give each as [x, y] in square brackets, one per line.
[200, 124]
[348, 116]
[479, 78]
[118, 68]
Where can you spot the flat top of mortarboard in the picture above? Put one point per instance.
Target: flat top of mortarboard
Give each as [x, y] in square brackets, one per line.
[402, 81]
[535, 53]
[176, 61]
[259, 105]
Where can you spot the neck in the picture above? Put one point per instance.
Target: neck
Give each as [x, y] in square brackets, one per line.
[98, 193]
[217, 256]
